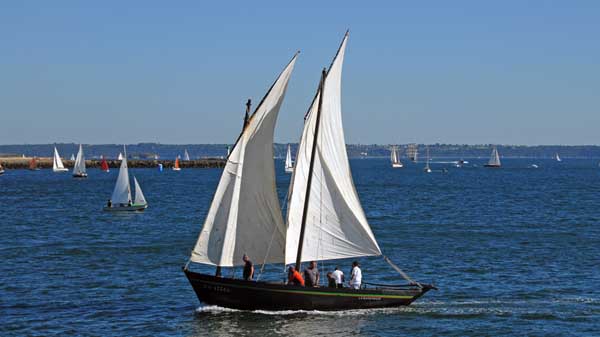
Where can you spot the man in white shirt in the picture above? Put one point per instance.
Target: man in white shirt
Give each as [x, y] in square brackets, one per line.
[356, 279]
[338, 276]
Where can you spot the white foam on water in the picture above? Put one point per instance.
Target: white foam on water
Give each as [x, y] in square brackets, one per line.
[215, 309]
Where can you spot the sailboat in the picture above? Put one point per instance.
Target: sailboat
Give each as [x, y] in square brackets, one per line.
[79, 167]
[245, 217]
[1, 169]
[57, 164]
[494, 161]
[186, 155]
[120, 157]
[557, 157]
[176, 166]
[427, 169]
[33, 165]
[412, 152]
[289, 164]
[121, 196]
[396, 163]
[104, 165]
[72, 157]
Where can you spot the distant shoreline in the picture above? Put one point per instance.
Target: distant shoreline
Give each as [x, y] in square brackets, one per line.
[13, 163]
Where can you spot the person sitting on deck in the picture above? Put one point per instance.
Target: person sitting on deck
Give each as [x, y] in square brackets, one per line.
[311, 275]
[356, 279]
[248, 268]
[338, 276]
[294, 277]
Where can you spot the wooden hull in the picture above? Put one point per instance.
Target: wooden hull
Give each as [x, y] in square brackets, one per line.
[250, 295]
[132, 208]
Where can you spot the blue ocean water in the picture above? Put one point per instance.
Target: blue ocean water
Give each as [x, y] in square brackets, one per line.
[514, 250]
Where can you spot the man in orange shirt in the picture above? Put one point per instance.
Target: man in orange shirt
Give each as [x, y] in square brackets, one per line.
[294, 277]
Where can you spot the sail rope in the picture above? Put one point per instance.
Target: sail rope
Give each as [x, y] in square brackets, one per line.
[262, 267]
[402, 273]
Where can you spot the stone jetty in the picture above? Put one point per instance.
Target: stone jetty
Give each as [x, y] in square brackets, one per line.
[46, 162]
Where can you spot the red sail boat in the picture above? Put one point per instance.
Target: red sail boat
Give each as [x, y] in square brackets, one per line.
[33, 165]
[104, 165]
[176, 166]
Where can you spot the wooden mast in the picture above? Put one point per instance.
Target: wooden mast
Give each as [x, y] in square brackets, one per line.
[310, 171]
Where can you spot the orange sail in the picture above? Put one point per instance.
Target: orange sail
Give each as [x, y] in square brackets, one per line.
[177, 163]
[33, 164]
[104, 165]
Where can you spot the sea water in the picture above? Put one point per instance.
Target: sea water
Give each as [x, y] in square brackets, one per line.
[513, 251]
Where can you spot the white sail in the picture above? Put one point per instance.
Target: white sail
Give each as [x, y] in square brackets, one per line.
[72, 157]
[336, 226]
[79, 167]
[186, 156]
[289, 164]
[494, 158]
[245, 215]
[57, 164]
[139, 196]
[394, 155]
[120, 157]
[122, 192]
[558, 157]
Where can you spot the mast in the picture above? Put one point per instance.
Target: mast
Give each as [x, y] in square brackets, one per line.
[310, 170]
[247, 116]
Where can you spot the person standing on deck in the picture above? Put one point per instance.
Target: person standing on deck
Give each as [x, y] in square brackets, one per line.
[311, 275]
[248, 268]
[356, 273]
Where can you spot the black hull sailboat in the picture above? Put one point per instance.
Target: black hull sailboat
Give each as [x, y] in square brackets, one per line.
[251, 295]
[325, 220]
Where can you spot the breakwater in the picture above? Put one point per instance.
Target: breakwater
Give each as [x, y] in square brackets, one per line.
[46, 162]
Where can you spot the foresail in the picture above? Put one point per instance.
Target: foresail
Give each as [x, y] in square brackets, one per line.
[139, 196]
[336, 226]
[122, 192]
[245, 215]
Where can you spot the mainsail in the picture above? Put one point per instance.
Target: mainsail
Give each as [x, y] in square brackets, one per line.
[57, 164]
[494, 158]
[394, 155]
[79, 167]
[335, 225]
[122, 192]
[186, 156]
[139, 196]
[245, 216]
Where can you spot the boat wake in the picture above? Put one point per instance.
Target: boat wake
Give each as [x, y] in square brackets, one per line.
[215, 309]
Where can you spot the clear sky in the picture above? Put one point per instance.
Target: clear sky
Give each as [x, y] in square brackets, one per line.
[510, 72]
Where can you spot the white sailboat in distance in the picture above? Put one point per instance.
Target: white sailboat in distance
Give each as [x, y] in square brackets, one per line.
[557, 157]
[427, 169]
[121, 197]
[186, 155]
[57, 164]
[72, 157]
[396, 163]
[120, 157]
[494, 161]
[79, 170]
[325, 219]
[289, 164]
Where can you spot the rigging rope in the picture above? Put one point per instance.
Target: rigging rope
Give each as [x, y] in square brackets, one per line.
[403, 274]
[262, 267]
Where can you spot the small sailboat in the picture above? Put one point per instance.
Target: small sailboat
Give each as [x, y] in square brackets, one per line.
[327, 224]
[120, 156]
[1, 169]
[186, 155]
[412, 152]
[289, 164]
[494, 161]
[557, 157]
[176, 166]
[57, 164]
[72, 157]
[121, 197]
[396, 163]
[104, 165]
[427, 169]
[228, 150]
[33, 166]
[79, 170]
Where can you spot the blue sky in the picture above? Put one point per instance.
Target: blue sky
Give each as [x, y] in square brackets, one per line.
[510, 72]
